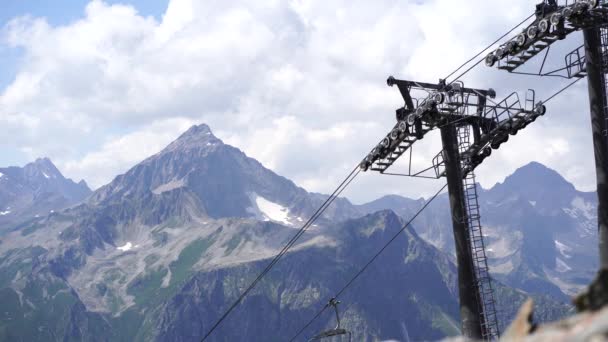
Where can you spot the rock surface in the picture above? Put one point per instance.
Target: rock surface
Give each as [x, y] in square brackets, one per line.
[589, 326]
[35, 190]
[540, 232]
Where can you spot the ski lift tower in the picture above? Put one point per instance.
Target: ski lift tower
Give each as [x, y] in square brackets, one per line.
[553, 23]
[471, 126]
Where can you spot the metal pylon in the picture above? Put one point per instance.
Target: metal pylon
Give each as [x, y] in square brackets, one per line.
[604, 70]
[486, 301]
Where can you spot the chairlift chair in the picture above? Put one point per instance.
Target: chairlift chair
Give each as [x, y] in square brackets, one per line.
[337, 331]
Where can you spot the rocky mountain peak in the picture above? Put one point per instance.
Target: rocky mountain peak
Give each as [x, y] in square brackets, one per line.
[536, 172]
[42, 168]
[197, 130]
[196, 137]
[35, 190]
[535, 179]
[218, 180]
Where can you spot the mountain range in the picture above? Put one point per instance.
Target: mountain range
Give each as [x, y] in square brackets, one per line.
[161, 251]
[35, 190]
[540, 232]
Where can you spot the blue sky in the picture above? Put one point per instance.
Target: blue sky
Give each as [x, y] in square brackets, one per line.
[98, 86]
[61, 12]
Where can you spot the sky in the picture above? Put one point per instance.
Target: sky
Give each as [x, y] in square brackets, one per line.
[300, 85]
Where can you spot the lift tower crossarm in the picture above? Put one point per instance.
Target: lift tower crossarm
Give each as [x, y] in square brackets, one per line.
[447, 104]
[553, 23]
[438, 87]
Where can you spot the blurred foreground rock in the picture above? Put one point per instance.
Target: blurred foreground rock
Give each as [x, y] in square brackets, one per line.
[587, 326]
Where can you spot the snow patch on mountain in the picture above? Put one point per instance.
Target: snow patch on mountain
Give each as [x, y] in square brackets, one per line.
[563, 249]
[167, 279]
[172, 185]
[272, 211]
[1, 174]
[126, 247]
[4, 213]
[264, 209]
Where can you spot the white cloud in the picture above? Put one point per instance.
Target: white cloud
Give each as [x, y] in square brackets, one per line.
[119, 154]
[299, 85]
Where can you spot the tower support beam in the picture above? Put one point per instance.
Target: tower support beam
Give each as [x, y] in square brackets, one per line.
[470, 314]
[597, 100]
[596, 295]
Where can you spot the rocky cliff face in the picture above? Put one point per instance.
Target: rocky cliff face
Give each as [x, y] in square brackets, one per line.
[541, 233]
[173, 288]
[35, 190]
[306, 279]
[222, 179]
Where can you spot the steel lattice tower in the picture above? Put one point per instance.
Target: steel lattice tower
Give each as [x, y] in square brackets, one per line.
[471, 125]
[553, 23]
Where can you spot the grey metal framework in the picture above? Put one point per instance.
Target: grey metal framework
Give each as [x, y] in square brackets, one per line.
[471, 125]
[554, 22]
[596, 70]
[448, 104]
[604, 54]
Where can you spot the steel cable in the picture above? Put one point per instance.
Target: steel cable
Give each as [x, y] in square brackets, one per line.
[352, 175]
[484, 50]
[358, 274]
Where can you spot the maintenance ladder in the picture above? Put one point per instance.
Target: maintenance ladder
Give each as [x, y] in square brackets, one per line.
[486, 301]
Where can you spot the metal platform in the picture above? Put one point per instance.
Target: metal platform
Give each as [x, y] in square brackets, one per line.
[553, 23]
